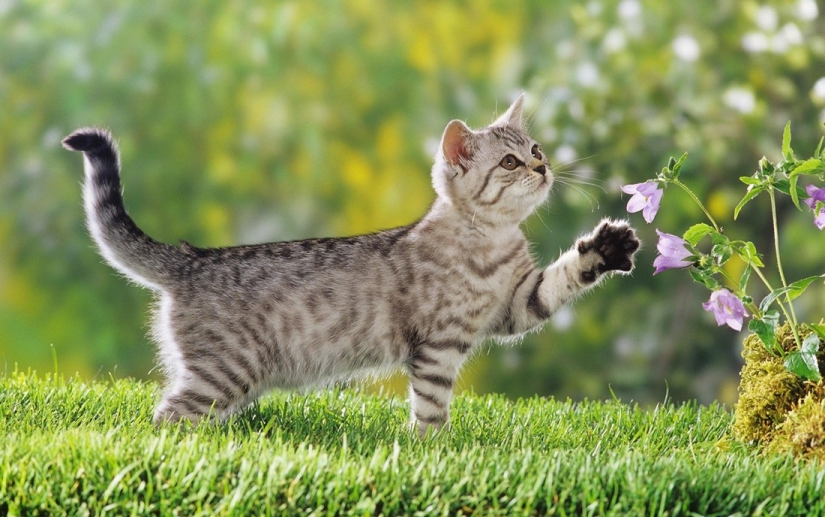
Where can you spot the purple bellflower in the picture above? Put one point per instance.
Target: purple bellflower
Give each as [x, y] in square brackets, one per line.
[727, 308]
[816, 194]
[646, 197]
[673, 253]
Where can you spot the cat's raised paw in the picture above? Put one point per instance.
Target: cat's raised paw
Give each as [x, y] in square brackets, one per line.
[615, 243]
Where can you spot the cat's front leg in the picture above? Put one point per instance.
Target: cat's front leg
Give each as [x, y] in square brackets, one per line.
[608, 249]
[433, 371]
[539, 294]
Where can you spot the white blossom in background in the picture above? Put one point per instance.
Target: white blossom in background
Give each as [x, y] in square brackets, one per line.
[766, 18]
[786, 37]
[755, 42]
[740, 99]
[629, 9]
[594, 8]
[565, 154]
[630, 13]
[587, 74]
[614, 41]
[807, 10]
[686, 48]
[818, 91]
[791, 33]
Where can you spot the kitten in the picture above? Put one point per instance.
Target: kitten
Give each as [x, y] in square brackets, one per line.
[233, 323]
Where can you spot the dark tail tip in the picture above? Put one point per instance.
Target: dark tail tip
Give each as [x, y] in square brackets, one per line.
[89, 140]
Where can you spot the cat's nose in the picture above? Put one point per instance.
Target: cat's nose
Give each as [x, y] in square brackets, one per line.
[541, 169]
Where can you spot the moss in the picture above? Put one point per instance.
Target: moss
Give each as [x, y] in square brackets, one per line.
[776, 408]
[803, 430]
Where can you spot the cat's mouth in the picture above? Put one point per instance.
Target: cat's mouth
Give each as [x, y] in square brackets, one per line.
[546, 180]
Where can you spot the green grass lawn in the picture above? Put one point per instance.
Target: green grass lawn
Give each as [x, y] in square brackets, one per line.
[88, 448]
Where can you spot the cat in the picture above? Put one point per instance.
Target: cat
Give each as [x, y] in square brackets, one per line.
[232, 323]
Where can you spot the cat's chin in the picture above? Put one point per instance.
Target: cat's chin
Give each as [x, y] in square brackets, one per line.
[542, 190]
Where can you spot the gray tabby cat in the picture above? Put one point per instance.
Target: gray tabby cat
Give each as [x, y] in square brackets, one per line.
[233, 323]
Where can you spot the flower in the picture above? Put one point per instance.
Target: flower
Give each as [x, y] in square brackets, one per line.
[646, 197]
[673, 253]
[727, 308]
[815, 195]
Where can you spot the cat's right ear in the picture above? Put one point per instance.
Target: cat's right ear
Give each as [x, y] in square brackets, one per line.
[456, 144]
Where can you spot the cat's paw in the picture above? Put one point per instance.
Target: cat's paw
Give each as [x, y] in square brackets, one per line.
[614, 244]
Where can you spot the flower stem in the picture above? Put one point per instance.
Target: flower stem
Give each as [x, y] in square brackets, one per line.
[696, 200]
[793, 321]
[770, 288]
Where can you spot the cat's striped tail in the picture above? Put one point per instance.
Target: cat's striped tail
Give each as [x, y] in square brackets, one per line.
[124, 245]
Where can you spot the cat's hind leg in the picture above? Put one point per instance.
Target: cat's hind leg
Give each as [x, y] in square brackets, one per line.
[187, 401]
[204, 377]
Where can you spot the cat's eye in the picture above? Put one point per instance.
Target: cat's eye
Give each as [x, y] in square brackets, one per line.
[536, 152]
[509, 162]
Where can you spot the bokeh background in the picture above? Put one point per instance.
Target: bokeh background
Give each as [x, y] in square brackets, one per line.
[243, 122]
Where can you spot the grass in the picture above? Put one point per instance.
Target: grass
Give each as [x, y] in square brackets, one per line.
[88, 448]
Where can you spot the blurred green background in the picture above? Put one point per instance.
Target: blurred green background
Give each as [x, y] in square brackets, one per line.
[243, 122]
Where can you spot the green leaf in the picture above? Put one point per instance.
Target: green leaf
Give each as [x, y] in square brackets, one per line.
[810, 344]
[819, 329]
[787, 152]
[818, 152]
[804, 365]
[676, 166]
[746, 275]
[810, 166]
[695, 233]
[752, 193]
[798, 287]
[722, 253]
[784, 186]
[766, 168]
[793, 291]
[750, 180]
[765, 328]
[794, 190]
[749, 254]
[719, 238]
[703, 277]
[792, 185]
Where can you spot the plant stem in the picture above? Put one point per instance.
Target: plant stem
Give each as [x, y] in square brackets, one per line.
[793, 321]
[770, 288]
[762, 277]
[696, 200]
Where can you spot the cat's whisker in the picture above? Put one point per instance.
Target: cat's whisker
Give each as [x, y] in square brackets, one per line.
[591, 199]
[565, 180]
[581, 173]
[571, 162]
[538, 214]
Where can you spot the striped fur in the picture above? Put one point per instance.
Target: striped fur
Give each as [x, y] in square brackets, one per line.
[235, 322]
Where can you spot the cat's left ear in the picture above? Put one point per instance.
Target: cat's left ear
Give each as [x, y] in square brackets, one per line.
[456, 144]
[512, 117]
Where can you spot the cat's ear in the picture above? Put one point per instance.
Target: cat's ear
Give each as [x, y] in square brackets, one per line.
[456, 144]
[512, 117]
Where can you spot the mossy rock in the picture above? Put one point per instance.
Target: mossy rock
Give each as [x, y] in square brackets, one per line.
[803, 430]
[777, 409]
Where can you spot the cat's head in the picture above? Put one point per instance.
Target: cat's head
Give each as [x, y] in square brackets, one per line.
[495, 175]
